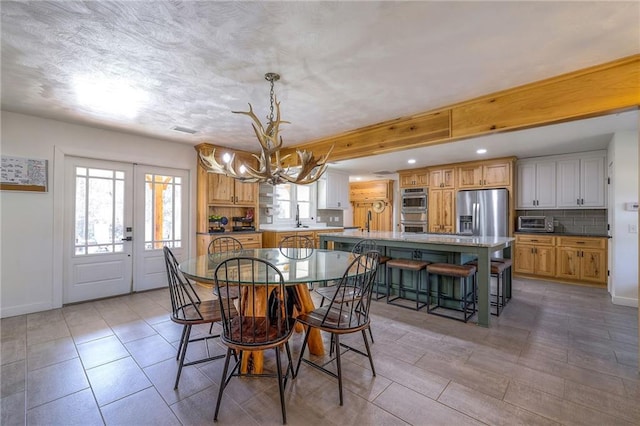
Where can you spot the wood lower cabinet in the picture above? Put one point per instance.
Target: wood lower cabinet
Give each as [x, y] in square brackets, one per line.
[535, 255]
[571, 259]
[583, 259]
[441, 218]
[271, 239]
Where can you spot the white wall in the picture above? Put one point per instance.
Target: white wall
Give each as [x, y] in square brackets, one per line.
[31, 223]
[623, 153]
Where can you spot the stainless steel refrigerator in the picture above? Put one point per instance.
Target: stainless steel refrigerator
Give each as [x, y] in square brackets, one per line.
[484, 212]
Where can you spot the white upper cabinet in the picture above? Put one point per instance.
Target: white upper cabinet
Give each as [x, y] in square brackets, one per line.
[536, 184]
[582, 181]
[333, 190]
[571, 181]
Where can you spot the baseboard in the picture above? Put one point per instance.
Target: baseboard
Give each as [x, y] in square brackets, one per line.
[13, 311]
[624, 301]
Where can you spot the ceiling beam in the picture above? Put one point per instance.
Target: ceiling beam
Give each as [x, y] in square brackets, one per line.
[590, 92]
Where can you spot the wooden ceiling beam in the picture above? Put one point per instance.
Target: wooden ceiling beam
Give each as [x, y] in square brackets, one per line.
[590, 92]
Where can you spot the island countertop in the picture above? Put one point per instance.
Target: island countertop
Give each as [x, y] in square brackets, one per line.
[413, 237]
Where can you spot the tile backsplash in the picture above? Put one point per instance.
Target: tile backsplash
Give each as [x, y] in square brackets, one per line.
[330, 217]
[574, 221]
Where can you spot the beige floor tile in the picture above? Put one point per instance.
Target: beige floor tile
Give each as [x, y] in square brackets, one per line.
[87, 331]
[101, 351]
[12, 410]
[48, 331]
[79, 408]
[487, 409]
[12, 378]
[52, 352]
[116, 380]
[12, 350]
[417, 409]
[150, 350]
[13, 327]
[55, 381]
[557, 409]
[126, 411]
[163, 377]
[199, 409]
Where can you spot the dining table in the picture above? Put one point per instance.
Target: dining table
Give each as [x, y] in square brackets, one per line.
[300, 267]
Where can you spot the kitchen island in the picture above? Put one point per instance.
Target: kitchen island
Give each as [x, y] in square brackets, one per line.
[436, 247]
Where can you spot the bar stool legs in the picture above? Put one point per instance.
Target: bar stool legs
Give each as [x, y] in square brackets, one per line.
[467, 299]
[417, 266]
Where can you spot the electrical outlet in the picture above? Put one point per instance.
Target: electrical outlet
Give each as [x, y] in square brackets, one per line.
[633, 228]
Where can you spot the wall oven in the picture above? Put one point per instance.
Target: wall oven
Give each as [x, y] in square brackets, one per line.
[413, 212]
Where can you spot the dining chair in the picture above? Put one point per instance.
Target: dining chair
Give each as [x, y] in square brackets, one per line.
[263, 321]
[224, 244]
[188, 310]
[338, 318]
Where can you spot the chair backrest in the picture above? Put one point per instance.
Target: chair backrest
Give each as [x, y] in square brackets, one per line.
[296, 241]
[357, 285]
[263, 303]
[364, 246]
[224, 244]
[184, 299]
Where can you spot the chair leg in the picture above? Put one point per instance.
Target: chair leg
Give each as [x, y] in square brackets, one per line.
[339, 367]
[280, 386]
[289, 366]
[183, 352]
[366, 345]
[223, 383]
[304, 346]
[371, 335]
[184, 330]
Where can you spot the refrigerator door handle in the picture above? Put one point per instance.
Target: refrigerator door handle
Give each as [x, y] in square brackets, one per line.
[475, 209]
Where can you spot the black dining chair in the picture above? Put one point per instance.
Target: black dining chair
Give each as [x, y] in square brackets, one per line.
[188, 310]
[263, 322]
[340, 318]
[224, 244]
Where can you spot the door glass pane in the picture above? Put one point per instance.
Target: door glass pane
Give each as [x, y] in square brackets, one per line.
[163, 219]
[99, 211]
[283, 197]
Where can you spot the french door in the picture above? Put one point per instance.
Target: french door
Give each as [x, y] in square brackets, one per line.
[118, 217]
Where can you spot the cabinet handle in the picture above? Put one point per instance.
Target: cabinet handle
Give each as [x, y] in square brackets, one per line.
[580, 242]
[232, 198]
[578, 201]
[582, 201]
[534, 241]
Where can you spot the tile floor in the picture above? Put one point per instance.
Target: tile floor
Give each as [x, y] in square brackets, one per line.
[558, 354]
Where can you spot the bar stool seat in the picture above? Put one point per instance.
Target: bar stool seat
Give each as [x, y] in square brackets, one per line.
[467, 299]
[498, 267]
[415, 266]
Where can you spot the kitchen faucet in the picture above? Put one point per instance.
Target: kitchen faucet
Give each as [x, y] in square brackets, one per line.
[298, 223]
[369, 221]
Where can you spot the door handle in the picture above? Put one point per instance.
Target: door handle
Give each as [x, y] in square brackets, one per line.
[127, 239]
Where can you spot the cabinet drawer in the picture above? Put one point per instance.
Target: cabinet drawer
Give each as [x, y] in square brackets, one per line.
[535, 239]
[249, 240]
[598, 243]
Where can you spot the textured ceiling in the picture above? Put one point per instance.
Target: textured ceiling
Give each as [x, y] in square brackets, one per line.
[344, 65]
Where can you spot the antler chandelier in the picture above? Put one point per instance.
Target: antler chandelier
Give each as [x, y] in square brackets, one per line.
[271, 168]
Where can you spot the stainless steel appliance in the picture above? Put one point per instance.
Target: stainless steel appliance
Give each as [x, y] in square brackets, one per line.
[483, 213]
[535, 223]
[413, 212]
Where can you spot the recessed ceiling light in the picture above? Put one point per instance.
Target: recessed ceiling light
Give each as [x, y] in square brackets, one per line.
[358, 178]
[481, 151]
[411, 161]
[116, 97]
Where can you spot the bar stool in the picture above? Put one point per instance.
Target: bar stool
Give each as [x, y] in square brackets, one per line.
[416, 266]
[381, 282]
[498, 267]
[467, 298]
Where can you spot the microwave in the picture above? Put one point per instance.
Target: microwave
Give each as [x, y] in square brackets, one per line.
[535, 223]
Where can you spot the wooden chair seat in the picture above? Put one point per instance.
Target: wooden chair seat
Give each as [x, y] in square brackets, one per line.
[204, 312]
[334, 320]
[258, 333]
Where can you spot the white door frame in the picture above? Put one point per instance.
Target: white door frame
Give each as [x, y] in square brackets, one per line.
[59, 163]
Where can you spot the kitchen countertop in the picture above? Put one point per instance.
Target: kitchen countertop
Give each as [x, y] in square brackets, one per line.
[412, 237]
[286, 228]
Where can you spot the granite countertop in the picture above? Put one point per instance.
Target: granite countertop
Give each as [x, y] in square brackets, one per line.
[412, 237]
[289, 228]
[563, 234]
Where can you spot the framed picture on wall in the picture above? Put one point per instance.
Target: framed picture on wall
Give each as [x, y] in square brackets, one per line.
[23, 174]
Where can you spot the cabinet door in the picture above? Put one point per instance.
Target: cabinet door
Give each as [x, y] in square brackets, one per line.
[546, 184]
[245, 193]
[545, 261]
[221, 189]
[524, 261]
[593, 266]
[469, 177]
[592, 182]
[568, 183]
[447, 218]
[435, 209]
[568, 263]
[407, 180]
[496, 174]
[526, 194]
[444, 178]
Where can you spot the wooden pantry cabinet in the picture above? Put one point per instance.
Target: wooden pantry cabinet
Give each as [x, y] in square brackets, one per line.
[441, 213]
[415, 178]
[442, 178]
